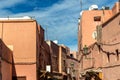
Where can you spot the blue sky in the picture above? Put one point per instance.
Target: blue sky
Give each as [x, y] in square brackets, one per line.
[59, 18]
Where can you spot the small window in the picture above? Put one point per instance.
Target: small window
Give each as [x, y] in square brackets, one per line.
[71, 55]
[97, 18]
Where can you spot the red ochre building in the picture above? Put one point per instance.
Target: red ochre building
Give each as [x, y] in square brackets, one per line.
[61, 62]
[98, 33]
[25, 39]
[5, 62]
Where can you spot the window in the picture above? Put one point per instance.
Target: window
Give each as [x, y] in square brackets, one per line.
[19, 78]
[71, 55]
[97, 18]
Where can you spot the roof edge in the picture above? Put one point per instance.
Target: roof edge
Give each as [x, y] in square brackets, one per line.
[109, 20]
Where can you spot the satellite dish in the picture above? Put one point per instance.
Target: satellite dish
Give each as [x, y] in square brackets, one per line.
[26, 17]
[93, 7]
[94, 35]
[81, 13]
[79, 20]
[55, 41]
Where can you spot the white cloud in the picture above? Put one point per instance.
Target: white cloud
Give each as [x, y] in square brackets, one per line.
[73, 47]
[60, 20]
[9, 3]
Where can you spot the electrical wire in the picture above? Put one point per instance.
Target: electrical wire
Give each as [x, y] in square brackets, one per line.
[104, 51]
[110, 44]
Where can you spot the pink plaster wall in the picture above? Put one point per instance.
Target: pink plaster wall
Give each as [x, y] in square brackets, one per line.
[5, 61]
[22, 35]
[111, 35]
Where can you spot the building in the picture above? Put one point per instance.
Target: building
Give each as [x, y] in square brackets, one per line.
[111, 47]
[87, 26]
[74, 54]
[73, 72]
[24, 36]
[58, 60]
[73, 66]
[98, 57]
[87, 34]
[91, 63]
[5, 62]
[63, 51]
[45, 57]
[54, 52]
[44, 61]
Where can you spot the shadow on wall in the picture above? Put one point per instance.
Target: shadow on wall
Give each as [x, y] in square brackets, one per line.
[14, 74]
[13, 70]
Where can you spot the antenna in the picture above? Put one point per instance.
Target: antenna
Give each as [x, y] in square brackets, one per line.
[46, 34]
[93, 7]
[80, 7]
[81, 4]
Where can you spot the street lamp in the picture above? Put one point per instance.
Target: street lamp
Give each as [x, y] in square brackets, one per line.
[85, 50]
[72, 64]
